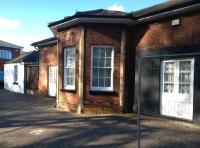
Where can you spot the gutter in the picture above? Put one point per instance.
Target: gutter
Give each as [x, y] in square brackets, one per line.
[45, 44]
[75, 21]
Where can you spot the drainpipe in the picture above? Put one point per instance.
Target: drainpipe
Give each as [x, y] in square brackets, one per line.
[57, 73]
[38, 57]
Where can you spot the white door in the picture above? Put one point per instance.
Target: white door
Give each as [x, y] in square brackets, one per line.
[52, 81]
[177, 88]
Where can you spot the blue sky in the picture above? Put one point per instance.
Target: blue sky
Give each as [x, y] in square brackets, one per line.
[25, 21]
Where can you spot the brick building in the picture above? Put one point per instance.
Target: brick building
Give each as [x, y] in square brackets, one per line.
[96, 54]
[8, 51]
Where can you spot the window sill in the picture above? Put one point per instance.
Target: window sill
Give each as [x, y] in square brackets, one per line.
[68, 90]
[103, 92]
[15, 83]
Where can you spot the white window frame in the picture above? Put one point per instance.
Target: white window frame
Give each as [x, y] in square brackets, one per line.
[108, 89]
[69, 87]
[176, 75]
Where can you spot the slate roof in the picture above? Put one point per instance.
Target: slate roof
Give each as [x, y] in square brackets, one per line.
[163, 7]
[44, 41]
[31, 57]
[10, 45]
[99, 13]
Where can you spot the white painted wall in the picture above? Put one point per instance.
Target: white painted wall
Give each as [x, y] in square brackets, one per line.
[9, 77]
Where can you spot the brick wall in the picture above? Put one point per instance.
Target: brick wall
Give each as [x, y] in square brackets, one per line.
[102, 102]
[156, 38]
[161, 34]
[68, 100]
[47, 57]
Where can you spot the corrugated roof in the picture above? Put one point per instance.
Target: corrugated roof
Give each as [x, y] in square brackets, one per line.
[10, 45]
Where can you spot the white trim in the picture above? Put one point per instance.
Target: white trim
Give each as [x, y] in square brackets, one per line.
[69, 87]
[53, 68]
[184, 101]
[109, 89]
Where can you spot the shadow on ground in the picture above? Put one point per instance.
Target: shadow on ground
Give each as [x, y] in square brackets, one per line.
[28, 121]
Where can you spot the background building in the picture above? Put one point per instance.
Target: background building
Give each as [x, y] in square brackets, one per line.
[8, 51]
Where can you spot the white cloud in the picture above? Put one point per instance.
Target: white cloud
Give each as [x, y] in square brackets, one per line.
[21, 39]
[9, 23]
[116, 7]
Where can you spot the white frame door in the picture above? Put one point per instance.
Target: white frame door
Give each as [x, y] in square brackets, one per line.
[177, 79]
[52, 81]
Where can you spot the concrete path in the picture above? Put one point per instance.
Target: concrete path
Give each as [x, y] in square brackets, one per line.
[28, 121]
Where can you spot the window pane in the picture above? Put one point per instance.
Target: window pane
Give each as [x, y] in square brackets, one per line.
[95, 62]
[70, 80]
[184, 77]
[71, 72]
[108, 62]
[107, 82]
[169, 66]
[95, 72]
[168, 77]
[67, 71]
[101, 72]
[108, 72]
[15, 73]
[184, 88]
[101, 62]
[102, 52]
[95, 52]
[101, 82]
[185, 66]
[108, 52]
[10, 55]
[95, 82]
[70, 62]
[168, 88]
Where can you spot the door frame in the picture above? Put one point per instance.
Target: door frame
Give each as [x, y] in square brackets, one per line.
[48, 80]
[192, 59]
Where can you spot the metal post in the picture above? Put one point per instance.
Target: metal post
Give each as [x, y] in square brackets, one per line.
[139, 86]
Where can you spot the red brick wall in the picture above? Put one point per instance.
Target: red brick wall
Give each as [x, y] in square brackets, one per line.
[161, 34]
[68, 100]
[101, 102]
[15, 53]
[47, 57]
[160, 37]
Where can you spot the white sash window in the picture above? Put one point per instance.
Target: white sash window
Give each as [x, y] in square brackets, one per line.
[102, 68]
[69, 68]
